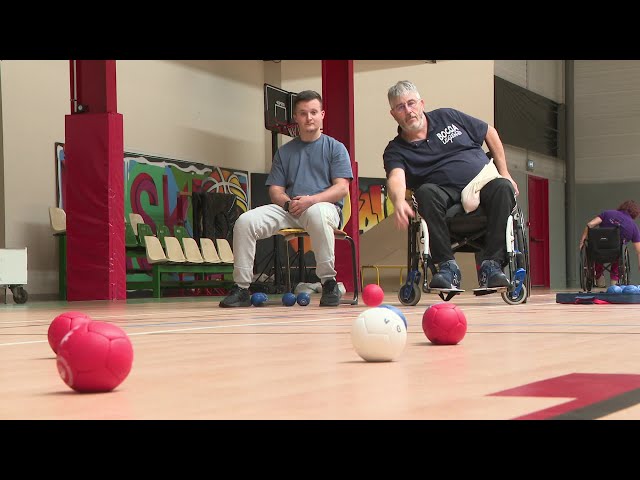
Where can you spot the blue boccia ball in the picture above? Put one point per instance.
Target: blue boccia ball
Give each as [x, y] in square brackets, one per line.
[258, 299]
[629, 289]
[398, 312]
[614, 289]
[303, 299]
[289, 299]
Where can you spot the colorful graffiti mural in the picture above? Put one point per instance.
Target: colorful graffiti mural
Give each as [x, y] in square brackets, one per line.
[159, 188]
[374, 205]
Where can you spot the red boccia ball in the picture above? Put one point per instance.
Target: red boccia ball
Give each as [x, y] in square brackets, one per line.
[94, 357]
[373, 295]
[61, 325]
[444, 324]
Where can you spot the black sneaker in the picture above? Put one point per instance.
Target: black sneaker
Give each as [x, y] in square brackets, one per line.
[330, 294]
[492, 276]
[448, 276]
[238, 297]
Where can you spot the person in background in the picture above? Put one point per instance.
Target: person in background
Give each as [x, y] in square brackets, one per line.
[624, 217]
[308, 182]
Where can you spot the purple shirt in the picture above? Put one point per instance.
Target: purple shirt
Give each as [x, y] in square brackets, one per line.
[628, 227]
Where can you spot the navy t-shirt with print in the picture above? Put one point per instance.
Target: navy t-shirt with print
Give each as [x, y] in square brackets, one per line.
[451, 156]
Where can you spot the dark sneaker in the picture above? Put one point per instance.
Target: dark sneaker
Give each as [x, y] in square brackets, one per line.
[448, 276]
[492, 276]
[330, 294]
[238, 297]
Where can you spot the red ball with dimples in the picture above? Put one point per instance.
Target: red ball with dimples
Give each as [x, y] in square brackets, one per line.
[444, 324]
[94, 357]
[61, 325]
[373, 295]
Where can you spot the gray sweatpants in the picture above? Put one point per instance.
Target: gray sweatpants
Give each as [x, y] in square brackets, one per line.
[319, 220]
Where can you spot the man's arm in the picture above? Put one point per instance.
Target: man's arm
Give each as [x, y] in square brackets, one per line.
[397, 189]
[334, 193]
[277, 195]
[637, 247]
[496, 149]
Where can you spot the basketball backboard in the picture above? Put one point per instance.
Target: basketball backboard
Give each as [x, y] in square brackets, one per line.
[278, 110]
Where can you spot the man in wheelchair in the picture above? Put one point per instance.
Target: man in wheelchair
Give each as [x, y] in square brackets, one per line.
[593, 261]
[437, 154]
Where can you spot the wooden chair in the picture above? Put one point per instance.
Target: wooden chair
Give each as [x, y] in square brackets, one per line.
[300, 233]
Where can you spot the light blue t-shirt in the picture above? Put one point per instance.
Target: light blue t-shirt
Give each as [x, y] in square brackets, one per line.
[307, 168]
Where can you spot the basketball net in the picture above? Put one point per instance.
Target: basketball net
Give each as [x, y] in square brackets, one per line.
[289, 129]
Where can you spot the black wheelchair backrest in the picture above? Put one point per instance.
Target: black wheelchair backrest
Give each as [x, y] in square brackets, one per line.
[604, 243]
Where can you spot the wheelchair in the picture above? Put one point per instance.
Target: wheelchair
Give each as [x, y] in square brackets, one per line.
[467, 231]
[603, 245]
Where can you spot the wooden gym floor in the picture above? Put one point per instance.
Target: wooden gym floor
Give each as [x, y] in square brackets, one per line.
[194, 360]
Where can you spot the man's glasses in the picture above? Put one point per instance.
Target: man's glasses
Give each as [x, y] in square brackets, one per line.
[411, 104]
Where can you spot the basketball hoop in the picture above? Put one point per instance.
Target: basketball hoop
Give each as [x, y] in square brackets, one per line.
[289, 129]
[293, 130]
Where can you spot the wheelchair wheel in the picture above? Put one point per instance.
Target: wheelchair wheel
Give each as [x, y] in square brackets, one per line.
[409, 294]
[586, 271]
[625, 268]
[522, 245]
[520, 298]
[20, 295]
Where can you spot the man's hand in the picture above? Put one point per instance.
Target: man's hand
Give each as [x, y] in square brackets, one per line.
[513, 182]
[402, 212]
[300, 204]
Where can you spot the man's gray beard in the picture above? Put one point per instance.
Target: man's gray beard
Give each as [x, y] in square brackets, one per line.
[414, 127]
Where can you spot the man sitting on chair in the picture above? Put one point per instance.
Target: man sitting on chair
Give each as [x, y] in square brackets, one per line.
[437, 154]
[308, 181]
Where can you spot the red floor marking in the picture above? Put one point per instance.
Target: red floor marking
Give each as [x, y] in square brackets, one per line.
[585, 388]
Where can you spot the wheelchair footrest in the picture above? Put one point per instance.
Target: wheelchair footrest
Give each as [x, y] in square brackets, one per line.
[488, 290]
[449, 292]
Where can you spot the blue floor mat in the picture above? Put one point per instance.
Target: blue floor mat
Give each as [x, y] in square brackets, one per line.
[590, 297]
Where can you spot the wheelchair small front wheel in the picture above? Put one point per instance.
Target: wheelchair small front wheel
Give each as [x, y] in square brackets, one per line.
[409, 295]
[520, 298]
[20, 295]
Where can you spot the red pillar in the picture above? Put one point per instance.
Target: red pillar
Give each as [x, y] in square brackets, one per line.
[94, 187]
[337, 95]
